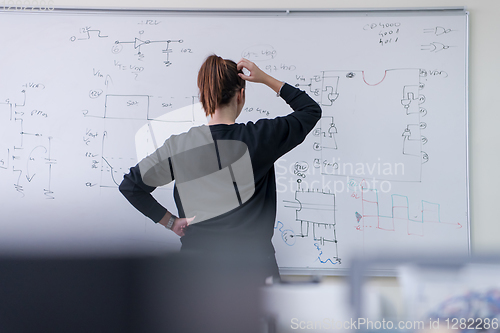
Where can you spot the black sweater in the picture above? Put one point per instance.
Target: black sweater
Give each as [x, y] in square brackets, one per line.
[250, 226]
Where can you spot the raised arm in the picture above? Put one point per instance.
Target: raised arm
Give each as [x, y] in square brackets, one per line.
[258, 76]
[281, 134]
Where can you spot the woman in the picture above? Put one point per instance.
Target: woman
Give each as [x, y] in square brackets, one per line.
[225, 188]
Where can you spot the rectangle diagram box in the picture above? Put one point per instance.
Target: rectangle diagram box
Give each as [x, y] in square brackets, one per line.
[127, 107]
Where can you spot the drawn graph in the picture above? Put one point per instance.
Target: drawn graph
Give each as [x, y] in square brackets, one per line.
[400, 218]
[87, 33]
[116, 157]
[131, 132]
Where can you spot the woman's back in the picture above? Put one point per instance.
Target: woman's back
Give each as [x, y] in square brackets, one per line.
[250, 226]
[225, 184]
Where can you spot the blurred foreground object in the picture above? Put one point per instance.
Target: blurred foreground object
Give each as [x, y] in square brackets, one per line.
[170, 293]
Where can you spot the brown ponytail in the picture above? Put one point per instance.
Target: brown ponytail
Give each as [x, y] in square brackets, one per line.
[218, 81]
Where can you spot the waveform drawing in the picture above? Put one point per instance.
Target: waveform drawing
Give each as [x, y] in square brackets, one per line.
[371, 217]
[115, 158]
[87, 33]
[127, 107]
[124, 115]
[315, 211]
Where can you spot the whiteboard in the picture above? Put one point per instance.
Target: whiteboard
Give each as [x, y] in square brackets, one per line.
[85, 95]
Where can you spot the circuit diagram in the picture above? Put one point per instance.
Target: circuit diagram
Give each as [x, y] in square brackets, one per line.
[315, 218]
[28, 161]
[353, 107]
[141, 42]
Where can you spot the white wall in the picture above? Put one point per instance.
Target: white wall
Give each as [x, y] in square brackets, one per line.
[484, 83]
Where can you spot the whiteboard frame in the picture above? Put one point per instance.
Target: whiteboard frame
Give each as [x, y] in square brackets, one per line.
[339, 12]
[245, 11]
